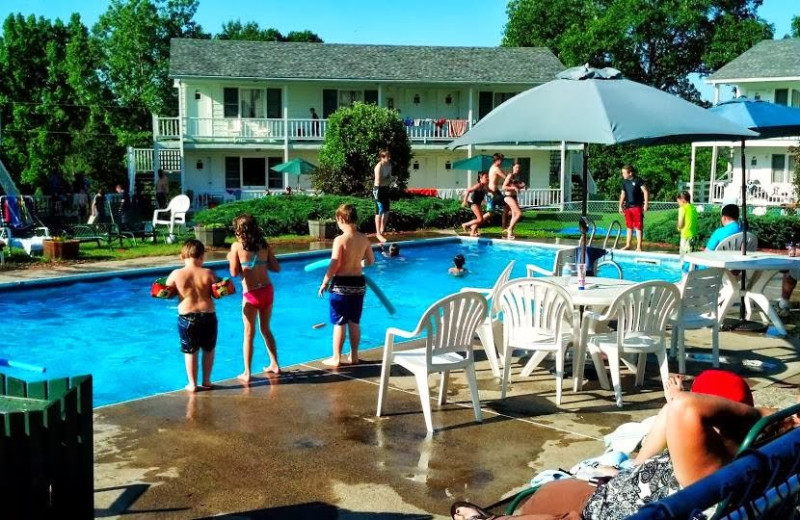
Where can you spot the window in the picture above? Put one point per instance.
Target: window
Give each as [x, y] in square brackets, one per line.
[502, 97]
[790, 170]
[487, 101]
[254, 172]
[371, 97]
[782, 96]
[524, 170]
[252, 103]
[231, 102]
[274, 178]
[232, 178]
[348, 97]
[778, 168]
[796, 98]
[274, 103]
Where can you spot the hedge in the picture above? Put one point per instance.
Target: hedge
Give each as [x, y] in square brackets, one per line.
[282, 215]
[773, 231]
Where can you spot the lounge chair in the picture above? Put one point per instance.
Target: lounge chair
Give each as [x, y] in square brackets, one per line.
[20, 226]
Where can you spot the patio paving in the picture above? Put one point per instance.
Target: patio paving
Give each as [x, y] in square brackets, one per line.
[307, 444]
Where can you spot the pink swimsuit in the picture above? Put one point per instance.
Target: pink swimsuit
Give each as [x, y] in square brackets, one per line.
[261, 297]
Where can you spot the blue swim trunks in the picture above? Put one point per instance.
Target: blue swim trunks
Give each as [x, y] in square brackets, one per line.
[197, 330]
[347, 299]
[382, 202]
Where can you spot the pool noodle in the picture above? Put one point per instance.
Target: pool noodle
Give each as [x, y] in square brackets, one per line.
[22, 366]
[325, 262]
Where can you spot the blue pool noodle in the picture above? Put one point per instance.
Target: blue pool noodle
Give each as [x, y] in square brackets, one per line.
[22, 366]
[325, 262]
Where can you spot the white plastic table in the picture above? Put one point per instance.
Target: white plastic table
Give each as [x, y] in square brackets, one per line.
[760, 267]
[599, 292]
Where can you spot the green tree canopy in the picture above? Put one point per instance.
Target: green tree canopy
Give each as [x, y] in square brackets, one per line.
[353, 139]
[236, 30]
[796, 27]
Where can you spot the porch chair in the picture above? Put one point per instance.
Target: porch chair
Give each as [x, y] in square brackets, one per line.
[19, 226]
[489, 330]
[441, 342]
[538, 316]
[174, 213]
[699, 309]
[641, 312]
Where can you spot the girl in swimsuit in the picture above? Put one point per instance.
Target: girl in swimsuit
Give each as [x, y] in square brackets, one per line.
[251, 258]
[510, 199]
[473, 197]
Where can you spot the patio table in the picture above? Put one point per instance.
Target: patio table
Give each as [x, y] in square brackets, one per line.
[760, 267]
[599, 293]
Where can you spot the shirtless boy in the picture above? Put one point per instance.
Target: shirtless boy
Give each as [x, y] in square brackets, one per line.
[197, 318]
[351, 251]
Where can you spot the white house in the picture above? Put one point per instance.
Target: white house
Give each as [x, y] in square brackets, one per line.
[245, 107]
[770, 70]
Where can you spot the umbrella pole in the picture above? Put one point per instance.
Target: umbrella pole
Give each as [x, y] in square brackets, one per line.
[584, 202]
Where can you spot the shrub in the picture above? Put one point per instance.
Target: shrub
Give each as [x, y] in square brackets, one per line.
[290, 215]
[353, 138]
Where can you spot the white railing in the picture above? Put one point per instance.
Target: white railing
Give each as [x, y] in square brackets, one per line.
[730, 192]
[234, 129]
[143, 159]
[544, 197]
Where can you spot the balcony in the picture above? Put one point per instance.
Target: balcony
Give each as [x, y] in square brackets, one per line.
[265, 130]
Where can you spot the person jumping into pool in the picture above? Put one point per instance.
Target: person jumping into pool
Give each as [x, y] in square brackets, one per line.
[351, 251]
[473, 197]
[197, 317]
[495, 197]
[251, 257]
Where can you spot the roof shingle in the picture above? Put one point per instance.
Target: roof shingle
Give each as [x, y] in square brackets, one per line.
[766, 59]
[390, 63]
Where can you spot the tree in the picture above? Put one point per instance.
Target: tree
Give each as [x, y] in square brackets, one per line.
[135, 37]
[353, 138]
[796, 27]
[250, 31]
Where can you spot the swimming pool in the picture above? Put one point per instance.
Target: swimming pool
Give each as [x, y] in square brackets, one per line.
[112, 328]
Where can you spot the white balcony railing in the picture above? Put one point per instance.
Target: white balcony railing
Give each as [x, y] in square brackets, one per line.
[730, 192]
[235, 129]
[537, 198]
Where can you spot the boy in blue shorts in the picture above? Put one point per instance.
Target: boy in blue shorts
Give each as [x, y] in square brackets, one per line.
[197, 317]
[351, 251]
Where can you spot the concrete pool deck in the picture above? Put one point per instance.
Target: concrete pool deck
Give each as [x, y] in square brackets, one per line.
[307, 444]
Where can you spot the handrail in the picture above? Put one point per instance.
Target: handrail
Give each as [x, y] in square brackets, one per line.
[608, 234]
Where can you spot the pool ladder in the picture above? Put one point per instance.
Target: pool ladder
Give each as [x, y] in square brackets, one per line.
[618, 226]
[604, 261]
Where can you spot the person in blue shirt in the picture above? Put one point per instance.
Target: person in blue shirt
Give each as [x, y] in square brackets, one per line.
[730, 226]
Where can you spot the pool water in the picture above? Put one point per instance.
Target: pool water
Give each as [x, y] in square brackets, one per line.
[128, 341]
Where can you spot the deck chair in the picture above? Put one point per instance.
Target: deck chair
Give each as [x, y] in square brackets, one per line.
[174, 213]
[441, 342]
[641, 312]
[537, 316]
[489, 330]
[20, 226]
[699, 310]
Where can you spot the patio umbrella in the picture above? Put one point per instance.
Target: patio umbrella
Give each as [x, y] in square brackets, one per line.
[480, 163]
[769, 120]
[598, 106]
[295, 167]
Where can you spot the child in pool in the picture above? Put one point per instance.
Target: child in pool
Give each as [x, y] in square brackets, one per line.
[251, 257]
[394, 251]
[197, 317]
[458, 268]
[351, 251]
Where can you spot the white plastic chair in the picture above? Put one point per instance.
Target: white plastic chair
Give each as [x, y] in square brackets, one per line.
[641, 312]
[537, 316]
[174, 213]
[734, 242]
[563, 256]
[489, 330]
[441, 342]
[699, 309]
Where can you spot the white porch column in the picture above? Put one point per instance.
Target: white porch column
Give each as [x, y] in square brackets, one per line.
[716, 93]
[714, 153]
[691, 172]
[563, 173]
[470, 110]
[286, 136]
[470, 153]
[380, 94]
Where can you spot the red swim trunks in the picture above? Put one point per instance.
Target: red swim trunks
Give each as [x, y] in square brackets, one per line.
[260, 298]
[634, 217]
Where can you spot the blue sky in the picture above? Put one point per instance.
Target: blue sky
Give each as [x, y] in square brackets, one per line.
[409, 22]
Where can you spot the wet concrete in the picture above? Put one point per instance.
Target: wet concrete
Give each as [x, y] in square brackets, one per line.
[307, 444]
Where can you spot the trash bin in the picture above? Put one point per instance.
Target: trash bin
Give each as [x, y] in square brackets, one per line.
[46, 452]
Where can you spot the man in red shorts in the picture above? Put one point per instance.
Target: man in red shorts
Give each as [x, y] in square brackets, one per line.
[633, 201]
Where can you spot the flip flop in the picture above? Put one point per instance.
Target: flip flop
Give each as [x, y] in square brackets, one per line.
[480, 514]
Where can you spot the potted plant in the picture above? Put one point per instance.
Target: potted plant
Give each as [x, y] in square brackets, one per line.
[322, 229]
[211, 234]
[59, 248]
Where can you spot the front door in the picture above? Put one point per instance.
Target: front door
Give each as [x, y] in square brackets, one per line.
[330, 102]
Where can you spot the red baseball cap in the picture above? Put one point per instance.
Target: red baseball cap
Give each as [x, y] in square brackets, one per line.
[723, 384]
